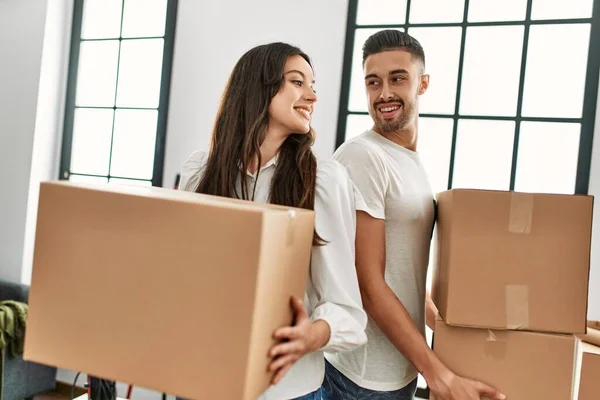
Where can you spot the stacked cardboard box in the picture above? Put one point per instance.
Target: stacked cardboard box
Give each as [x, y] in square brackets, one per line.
[587, 382]
[511, 285]
[172, 291]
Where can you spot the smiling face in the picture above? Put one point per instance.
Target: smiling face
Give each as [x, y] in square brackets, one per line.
[291, 108]
[394, 80]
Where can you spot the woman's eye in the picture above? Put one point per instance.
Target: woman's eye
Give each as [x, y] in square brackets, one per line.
[297, 83]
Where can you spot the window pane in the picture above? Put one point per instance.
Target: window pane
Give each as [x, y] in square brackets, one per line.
[140, 73]
[491, 71]
[497, 10]
[144, 18]
[436, 11]
[97, 73]
[130, 182]
[133, 144]
[483, 157]
[434, 146]
[561, 9]
[552, 93]
[377, 12]
[358, 96]
[101, 19]
[442, 53]
[91, 141]
[547, 158]
[357, 124]
[87, 179]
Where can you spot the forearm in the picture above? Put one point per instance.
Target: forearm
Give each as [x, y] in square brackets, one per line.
[391, 317]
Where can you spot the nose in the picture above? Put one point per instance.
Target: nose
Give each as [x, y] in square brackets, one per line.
[386, 93]
[310, 94]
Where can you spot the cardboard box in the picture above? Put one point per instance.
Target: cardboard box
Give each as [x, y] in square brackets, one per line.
[522, 365]
[593, 333]
[509, 260]
[587, 376]
[172, 291]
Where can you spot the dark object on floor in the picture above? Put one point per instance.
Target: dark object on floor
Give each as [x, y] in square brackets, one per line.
[22, 379]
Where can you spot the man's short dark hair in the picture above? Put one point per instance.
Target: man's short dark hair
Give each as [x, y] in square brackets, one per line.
[393, 39]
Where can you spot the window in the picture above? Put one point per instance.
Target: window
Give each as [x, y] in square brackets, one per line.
[118, 91]
[512, 98]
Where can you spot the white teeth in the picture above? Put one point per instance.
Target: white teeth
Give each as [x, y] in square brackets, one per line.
[388, 109]
[303, 112]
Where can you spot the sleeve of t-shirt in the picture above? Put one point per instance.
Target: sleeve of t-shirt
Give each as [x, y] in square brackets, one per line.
[369, 176]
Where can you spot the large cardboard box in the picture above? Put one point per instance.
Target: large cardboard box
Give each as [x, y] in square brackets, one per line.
[509, 260]
[522, 365]
[167, 290]
[587, 375]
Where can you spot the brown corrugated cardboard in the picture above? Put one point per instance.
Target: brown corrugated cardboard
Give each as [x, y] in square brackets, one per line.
[522, 365]
[587, 375]
[509, 260]
[593, 333]
[167, 290]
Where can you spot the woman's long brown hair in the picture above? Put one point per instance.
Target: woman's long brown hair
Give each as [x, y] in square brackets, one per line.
[241, 126]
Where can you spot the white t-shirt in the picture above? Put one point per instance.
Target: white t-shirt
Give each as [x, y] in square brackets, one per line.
[332, 292]
[394, 187]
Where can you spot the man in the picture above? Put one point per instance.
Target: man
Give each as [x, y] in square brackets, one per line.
[395, 216]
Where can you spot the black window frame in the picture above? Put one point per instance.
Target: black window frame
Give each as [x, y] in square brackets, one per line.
[587, 119]
[163, 106]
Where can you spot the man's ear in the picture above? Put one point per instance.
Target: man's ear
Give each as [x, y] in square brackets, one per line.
[424, 84]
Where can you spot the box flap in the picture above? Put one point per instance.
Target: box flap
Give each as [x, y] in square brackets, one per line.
[176, 195]
[593, 333]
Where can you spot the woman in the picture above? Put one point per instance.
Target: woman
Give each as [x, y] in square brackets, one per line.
[261, 151]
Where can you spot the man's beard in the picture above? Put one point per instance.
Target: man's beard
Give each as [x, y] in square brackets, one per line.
[399, 122]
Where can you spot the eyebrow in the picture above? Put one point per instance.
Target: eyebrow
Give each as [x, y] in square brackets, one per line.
[393, 72]
[298, 72]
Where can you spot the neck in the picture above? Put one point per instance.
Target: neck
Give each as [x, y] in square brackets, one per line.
[268, 149]
[405, 137]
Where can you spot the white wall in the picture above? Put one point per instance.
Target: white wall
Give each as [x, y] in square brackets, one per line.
[594, 189]
[48, 121]
[211, 36]
[22, 25]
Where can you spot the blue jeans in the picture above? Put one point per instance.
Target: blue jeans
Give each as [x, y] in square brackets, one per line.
[317, 395]
[338, 387]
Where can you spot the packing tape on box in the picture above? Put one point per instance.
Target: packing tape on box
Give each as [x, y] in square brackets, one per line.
[493, 347]
[291, 227]
[517, 306]
[521, 207]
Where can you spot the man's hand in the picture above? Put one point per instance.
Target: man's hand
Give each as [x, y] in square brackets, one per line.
[295, 341]
[450, 386]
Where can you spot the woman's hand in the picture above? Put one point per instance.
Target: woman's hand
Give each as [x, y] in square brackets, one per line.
[295, 341]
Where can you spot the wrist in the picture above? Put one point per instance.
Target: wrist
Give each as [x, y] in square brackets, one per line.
[320, 333]
[434, 370]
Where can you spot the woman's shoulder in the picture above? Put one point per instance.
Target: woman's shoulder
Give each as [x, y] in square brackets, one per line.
[332, 176]
[330, 169]
[192, 170]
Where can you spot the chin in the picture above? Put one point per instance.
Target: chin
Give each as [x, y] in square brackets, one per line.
[302, 130]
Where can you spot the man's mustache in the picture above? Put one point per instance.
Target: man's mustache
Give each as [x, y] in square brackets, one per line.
[395, 100]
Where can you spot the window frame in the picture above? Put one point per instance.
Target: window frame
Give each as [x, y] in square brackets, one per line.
[163, 106]
[587, 119]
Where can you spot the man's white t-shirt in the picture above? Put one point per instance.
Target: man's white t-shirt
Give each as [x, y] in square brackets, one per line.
[393, 186]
